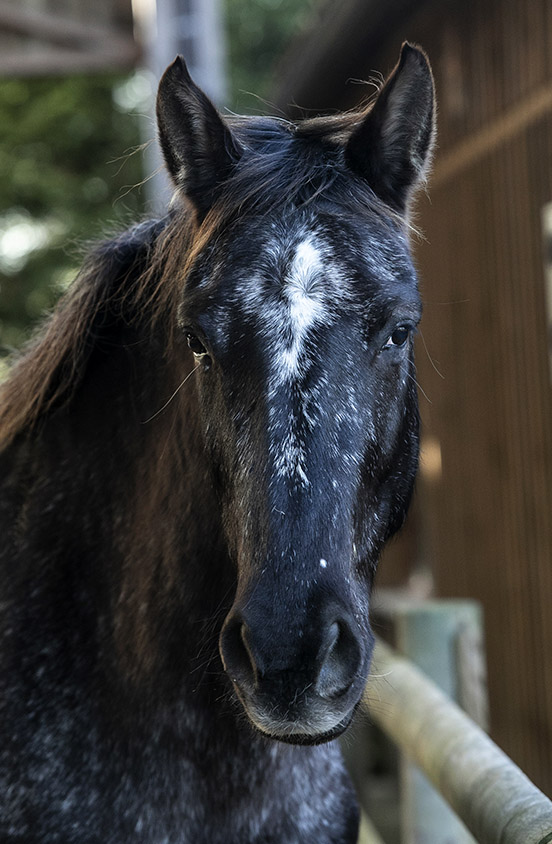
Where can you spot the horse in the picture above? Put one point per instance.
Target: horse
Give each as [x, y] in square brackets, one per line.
[203, 450]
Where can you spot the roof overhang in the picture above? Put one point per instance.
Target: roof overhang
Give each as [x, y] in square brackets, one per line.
[65, 37]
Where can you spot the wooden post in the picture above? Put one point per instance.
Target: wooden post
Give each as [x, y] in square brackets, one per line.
[436, 636]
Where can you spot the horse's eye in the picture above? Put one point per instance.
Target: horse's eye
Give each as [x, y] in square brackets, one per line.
[399, 337]
[195, 345]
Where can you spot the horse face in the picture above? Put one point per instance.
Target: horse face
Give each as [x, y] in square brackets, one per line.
[303, 338]
[301, 318]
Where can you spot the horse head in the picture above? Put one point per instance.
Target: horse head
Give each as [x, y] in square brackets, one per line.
[299, 303]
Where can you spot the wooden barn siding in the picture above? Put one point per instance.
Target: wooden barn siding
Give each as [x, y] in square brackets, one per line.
[490, 513]
[489, 516]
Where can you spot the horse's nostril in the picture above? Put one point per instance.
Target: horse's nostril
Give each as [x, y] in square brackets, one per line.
[262, 664]
[339, 659]
[236, 652]
[332, 637]
[249, 652]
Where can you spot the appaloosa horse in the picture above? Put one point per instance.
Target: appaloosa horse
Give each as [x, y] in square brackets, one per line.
[202, 454]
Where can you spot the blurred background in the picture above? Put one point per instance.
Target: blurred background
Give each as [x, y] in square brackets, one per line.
[77, 161]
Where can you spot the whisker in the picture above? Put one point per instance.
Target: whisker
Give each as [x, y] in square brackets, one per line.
[169, 400]
[420, 388]
[432, 362]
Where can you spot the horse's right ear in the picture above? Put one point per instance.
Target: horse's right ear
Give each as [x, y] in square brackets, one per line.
[198, 148]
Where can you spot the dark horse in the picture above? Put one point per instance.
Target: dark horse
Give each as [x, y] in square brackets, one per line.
[202, 455]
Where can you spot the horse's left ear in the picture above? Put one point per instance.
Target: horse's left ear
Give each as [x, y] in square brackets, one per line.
[198, 147]
[392, 146]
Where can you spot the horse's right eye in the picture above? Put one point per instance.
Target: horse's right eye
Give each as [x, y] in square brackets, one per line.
[195, 345]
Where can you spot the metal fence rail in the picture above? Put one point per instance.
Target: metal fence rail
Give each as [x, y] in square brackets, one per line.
[488, 792]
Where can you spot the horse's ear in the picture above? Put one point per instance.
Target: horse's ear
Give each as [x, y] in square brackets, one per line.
[392, 146]
[198, 147]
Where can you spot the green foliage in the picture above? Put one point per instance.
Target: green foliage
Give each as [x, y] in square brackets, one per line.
[65, 176]
[259, 33]
[64, 180]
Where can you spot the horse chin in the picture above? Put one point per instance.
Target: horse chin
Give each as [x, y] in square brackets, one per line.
[311, 740]
[291, 736]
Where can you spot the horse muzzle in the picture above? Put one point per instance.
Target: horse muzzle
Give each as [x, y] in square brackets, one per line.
[300, 686]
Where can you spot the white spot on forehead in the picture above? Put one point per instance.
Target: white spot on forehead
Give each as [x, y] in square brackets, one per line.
[323, 564]
[306, 264]
[304, 295]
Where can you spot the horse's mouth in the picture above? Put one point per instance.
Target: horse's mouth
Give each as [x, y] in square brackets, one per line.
[307, 738]
[305, 730]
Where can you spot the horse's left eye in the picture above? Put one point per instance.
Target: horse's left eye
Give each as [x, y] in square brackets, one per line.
[399, 337]
[195, 345]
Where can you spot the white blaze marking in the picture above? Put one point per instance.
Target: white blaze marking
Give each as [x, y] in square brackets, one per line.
[305, 305]
[309, 290]
[302, 308]
[323, 564]
[290, 459]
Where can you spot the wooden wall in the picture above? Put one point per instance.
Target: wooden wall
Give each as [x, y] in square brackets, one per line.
[483, 358]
